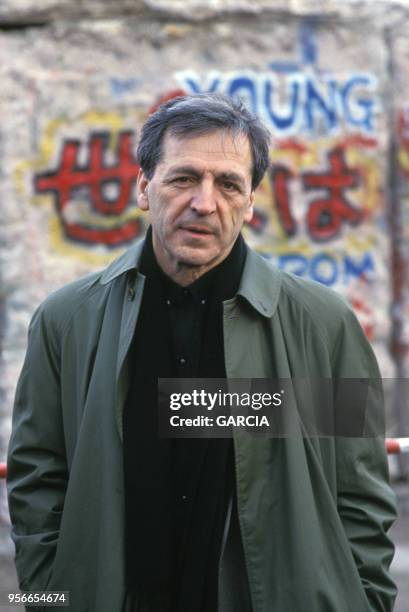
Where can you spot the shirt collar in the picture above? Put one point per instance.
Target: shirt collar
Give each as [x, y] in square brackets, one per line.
[260, 282]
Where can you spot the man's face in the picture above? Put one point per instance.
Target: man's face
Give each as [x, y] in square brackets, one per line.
[198, 199]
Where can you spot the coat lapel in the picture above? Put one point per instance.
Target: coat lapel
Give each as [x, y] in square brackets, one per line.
[131, 303]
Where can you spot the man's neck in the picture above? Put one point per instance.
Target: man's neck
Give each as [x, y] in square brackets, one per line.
[184, 274]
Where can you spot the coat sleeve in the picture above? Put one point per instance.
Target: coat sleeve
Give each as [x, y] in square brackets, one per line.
[366, 502]
[37, 470]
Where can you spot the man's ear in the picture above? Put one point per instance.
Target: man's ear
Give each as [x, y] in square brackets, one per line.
[141, 191]
[248, 215]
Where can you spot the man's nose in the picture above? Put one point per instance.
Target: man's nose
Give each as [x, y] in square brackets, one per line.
[204, 198]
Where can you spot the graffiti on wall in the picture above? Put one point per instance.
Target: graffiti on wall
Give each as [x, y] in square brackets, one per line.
[319, 204]
[318, 207]
[297, 102]
[325, 222]
[403, 140]
[107, 190]
[85, 172]
[314, 210]
[90, 180]
[326, 214]
[400, 252]
[322, 194]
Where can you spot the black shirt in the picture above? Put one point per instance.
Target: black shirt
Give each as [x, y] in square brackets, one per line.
[176, 491]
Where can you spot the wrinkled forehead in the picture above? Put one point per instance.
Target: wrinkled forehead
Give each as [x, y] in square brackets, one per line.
[215, 145]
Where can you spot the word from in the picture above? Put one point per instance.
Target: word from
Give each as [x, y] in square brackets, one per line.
[325, 214]
[107, 189]
[328, 269]
[296, 102]
[202, 398]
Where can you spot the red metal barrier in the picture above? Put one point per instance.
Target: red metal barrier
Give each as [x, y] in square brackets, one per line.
[394, 446]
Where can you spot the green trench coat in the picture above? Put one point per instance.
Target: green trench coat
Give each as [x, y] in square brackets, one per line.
[313, 512]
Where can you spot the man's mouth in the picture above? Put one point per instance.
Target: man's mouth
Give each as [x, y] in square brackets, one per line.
[199, 230]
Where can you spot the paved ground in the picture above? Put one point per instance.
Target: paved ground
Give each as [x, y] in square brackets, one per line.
[400, 567]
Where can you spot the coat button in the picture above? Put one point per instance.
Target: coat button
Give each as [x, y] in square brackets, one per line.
[131, 293]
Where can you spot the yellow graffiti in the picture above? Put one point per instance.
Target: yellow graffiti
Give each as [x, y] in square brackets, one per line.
[299, 157]
[54, 132]
[403, 157]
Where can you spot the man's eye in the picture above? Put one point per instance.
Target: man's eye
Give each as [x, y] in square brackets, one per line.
[229, 186]
[183, 180]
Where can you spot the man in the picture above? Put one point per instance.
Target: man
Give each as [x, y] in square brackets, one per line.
[102, 506]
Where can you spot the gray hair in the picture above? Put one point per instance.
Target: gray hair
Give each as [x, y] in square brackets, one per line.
[199, 114]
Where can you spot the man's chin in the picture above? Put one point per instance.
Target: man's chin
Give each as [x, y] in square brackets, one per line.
[196, 257]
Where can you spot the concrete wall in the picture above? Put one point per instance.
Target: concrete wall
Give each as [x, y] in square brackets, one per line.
[76, 91]
[31, 11]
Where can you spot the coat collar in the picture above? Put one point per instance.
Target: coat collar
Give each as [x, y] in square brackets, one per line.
[260, 282]
[124, 263]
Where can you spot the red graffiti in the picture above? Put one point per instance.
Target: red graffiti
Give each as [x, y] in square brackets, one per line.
[365, 316]
[258, 221]
[174, 93]
[95, 177]
[357, 140]
[403, 128]
[280, 177]
[326, 215]
[292, 145]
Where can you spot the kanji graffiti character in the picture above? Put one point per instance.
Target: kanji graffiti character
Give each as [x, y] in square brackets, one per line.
[326, 215]
[95, 177]
[280, 177]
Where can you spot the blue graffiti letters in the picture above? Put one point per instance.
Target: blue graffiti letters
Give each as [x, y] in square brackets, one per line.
[296, 102]
[327, 268]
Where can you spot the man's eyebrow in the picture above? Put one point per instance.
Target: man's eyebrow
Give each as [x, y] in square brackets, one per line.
[184, 170]
[192, 171]
[231, 176]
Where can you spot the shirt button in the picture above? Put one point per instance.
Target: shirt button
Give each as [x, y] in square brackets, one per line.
[182, 360]
[203, 302]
